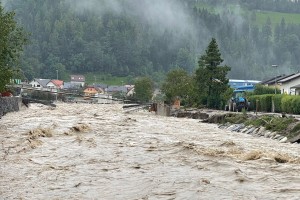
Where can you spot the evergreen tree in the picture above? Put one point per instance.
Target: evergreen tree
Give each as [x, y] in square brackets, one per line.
[211, 77]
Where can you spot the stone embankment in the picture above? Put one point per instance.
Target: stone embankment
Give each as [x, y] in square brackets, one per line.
[218, 117]
[9, 104]
[254, 131]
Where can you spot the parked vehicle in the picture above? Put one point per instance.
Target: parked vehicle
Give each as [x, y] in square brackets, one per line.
[237, 102]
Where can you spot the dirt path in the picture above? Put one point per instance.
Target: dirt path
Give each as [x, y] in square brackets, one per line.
[88, 151]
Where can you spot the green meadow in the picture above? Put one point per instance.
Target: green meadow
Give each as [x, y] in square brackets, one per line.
[262, 16]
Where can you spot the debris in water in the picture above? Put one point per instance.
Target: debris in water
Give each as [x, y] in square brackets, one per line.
[253, 155]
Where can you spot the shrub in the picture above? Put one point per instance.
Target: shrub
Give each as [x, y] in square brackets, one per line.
[296, 105]
[266, 102]
[261, 89]
[252, 99]
[277, 102]
[287, 104]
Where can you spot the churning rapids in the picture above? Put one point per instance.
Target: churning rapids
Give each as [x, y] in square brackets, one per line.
[89, 151]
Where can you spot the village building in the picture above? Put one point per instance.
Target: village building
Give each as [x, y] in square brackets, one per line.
[78, 79]
[290, 85]
[55, 85]
[92, 92]
[40, 84]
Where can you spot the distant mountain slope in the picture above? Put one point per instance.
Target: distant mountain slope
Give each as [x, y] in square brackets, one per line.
[141, 37]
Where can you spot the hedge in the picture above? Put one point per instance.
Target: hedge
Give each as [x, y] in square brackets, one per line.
[282, 103]
[277, 99]
[264, 102]
[291, 104]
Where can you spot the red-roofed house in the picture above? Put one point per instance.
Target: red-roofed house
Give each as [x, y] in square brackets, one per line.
[54, 85]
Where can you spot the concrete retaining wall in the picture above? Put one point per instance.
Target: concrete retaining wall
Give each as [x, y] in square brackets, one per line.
[9, 104]
[163, 110]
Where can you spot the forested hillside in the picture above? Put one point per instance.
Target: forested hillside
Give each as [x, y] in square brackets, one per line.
[141, 37]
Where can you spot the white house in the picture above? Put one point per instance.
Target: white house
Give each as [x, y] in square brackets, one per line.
[290, 85]
[40, 84]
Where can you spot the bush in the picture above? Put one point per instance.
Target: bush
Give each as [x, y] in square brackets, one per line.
[266, 102]
[252, 99]
[296, 105]
[290, 104]
[282, 103]
[277, 102]
[261, 89]
[287, 104]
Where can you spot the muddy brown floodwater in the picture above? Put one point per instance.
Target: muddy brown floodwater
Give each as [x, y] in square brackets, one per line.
[89, 151]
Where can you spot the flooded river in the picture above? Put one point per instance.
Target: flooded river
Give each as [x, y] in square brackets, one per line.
[88, 151]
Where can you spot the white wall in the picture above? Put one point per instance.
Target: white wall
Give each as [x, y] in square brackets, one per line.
[286, 87]
[35, 84]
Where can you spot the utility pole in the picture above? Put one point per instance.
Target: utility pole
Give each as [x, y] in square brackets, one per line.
[56, 86]
[275, 66]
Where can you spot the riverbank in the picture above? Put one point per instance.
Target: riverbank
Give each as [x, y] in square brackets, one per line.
[281, 127]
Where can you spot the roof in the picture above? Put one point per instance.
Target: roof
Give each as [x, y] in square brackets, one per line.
[42, 82]
[57, 83]
[296, 86]
[290, 78]
[275, 79]
[243, 81]
[78, 78]
[97, 89]
[116, 89]
[101, 85]
[68, 85]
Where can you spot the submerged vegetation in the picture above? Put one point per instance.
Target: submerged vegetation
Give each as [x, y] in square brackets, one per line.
[287, 126]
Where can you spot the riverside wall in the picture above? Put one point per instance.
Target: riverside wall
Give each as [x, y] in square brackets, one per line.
[9, 104]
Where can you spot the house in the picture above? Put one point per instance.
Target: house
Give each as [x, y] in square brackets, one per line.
[92, 91]
[274, 80]
[40, 84]
[116, 89]
[130, 92]
[101, 85]
[55, 85]
[78, 79]
[290, 84]
[70, 86]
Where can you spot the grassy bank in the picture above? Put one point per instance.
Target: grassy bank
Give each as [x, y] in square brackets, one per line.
[287, 126]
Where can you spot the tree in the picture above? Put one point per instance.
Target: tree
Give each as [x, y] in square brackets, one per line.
[211, 77]
[178, 84]
[12, 39]
[143, 89]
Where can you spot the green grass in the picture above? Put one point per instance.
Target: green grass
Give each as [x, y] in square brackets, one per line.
[91, 78]
[262, 16]
[272, 123]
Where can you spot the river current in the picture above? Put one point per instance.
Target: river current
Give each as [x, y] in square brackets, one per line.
[94, 151]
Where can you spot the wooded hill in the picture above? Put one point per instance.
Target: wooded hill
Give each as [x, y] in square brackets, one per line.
[141, 37]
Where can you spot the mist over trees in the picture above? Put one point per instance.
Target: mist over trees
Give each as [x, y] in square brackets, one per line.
[149, 38]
